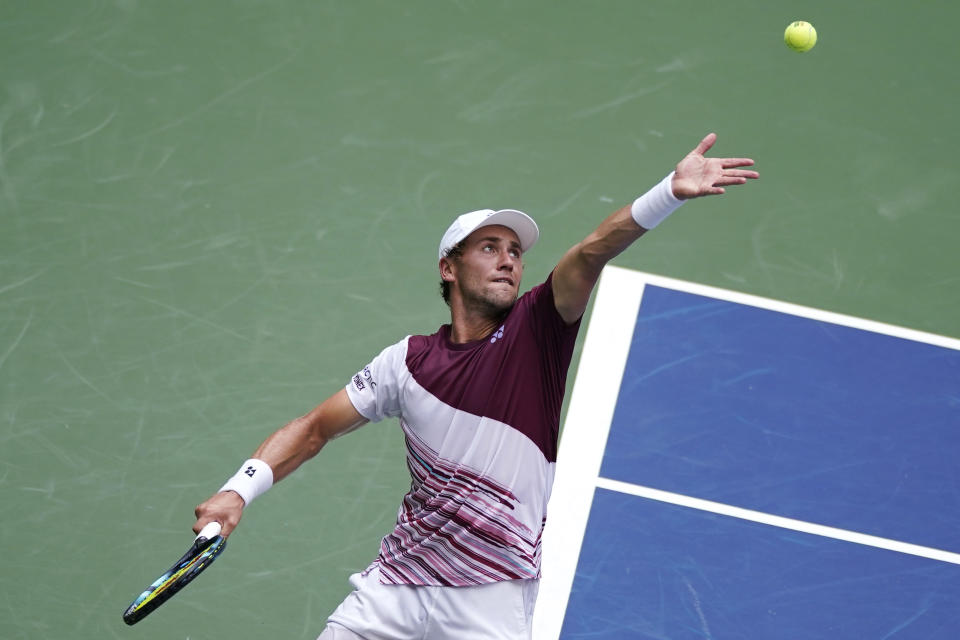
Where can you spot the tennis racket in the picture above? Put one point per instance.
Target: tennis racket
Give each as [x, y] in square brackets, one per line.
[205, 549]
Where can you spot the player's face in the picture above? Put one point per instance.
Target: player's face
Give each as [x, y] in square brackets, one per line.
[489, 271]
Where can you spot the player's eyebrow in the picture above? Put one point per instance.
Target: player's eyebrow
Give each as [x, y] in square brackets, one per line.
[512, 243]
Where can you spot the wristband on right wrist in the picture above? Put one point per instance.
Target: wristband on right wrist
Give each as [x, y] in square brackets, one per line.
[655, 205]
[252, 479]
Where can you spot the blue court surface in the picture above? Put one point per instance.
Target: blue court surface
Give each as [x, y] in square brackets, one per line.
[737, 467]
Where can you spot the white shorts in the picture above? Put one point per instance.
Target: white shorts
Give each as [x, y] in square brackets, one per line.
[375, 611]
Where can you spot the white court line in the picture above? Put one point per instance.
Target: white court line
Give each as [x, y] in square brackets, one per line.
[590, 413]
[592, 401]
[778, 521]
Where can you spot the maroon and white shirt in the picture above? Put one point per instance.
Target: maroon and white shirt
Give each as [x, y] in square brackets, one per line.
[481, 422]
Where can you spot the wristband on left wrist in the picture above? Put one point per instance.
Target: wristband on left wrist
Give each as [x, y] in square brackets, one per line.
[655, 205]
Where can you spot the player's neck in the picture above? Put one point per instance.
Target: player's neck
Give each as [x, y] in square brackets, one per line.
[468, 327]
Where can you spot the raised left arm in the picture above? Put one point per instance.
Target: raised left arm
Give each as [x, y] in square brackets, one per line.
[696, 175]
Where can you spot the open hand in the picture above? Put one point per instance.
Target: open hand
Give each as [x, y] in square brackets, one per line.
[698, 176]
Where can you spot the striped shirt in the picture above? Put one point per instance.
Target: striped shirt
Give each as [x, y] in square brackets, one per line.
[481, 423]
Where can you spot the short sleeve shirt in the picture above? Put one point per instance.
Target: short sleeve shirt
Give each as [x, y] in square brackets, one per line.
[481, 423]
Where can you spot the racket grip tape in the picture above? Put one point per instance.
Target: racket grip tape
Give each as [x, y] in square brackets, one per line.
[210, 530]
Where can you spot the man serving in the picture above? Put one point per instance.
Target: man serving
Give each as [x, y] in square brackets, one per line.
[479, 403]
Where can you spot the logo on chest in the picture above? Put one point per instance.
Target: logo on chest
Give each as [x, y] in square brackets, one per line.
[497, 335]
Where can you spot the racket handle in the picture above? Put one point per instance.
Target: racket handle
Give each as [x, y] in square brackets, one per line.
[210, 530]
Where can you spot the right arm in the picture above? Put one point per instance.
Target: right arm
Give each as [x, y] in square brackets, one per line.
[285, 450]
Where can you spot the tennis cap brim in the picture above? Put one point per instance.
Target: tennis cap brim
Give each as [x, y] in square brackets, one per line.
[521, 224]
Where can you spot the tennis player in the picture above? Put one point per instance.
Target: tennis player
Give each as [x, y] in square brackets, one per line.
[479, 404]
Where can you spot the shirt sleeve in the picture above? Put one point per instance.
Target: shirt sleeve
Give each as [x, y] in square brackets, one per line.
[375, 389]
[554, 332]
[556, 340]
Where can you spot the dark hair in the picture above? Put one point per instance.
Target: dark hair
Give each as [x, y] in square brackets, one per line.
[453, 253]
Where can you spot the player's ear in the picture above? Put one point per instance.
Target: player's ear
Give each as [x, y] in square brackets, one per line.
[446, 270]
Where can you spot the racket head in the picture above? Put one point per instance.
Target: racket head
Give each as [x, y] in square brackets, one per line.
[205, 549]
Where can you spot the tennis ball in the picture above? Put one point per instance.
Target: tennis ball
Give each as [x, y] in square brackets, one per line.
[800, 36]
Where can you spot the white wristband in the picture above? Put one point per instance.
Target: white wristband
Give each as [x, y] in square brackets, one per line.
[253, 478]
[655, 205]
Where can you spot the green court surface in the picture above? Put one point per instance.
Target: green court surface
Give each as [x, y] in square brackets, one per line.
[213, 214]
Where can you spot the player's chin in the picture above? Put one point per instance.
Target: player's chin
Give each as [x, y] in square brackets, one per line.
[506, 293]
[500, 299]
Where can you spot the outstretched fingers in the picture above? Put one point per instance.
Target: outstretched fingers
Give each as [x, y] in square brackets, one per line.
[729, 177]
[730, 163]
[726, 181]
[697, 175]
[739, 173]
[742, 173]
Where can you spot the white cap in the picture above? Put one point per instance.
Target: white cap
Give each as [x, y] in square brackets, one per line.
[521, 224]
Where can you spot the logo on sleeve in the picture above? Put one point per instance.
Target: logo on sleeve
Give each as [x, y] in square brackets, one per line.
[358, 383]
[368, 376]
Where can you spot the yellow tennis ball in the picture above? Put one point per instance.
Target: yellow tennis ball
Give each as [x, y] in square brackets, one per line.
[800, 36]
